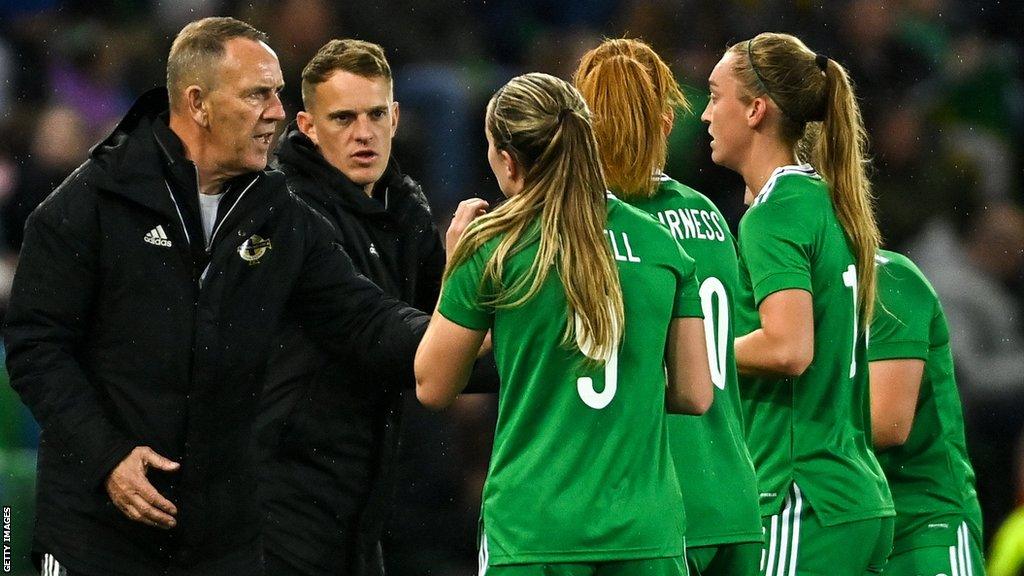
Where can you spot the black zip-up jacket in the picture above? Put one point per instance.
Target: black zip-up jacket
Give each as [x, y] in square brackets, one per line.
[125, 329]
[329, 450]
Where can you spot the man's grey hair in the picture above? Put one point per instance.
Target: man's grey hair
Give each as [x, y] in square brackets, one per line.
[198, 48]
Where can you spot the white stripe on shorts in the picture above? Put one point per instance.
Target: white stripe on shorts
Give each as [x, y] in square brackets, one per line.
[686, 565]
[961, 561]
[787, 514]
[771, 544]
[797, 508]
[960, 554]
[784, 538]
[50, 567]
[482, 558]
[966, 548]
[764, 551]
[954, 566]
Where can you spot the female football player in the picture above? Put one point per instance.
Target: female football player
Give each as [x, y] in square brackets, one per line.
[918, 428]
[592, 306]
[634, 99]
[787, 121]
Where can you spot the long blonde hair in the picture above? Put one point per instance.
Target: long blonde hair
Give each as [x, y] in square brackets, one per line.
[544, 124]
[631, 92]
[821, 117]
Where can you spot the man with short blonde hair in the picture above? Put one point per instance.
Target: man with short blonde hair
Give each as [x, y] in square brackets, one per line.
[327, 475]
[359, 57]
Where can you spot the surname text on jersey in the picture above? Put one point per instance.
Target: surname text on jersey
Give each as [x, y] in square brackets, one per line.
[621, 248]
[685, 223]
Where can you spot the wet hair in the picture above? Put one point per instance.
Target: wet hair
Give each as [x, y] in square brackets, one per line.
[198, 48]
[358, 57]
[544, 124]
[821, 118]
[631, 93]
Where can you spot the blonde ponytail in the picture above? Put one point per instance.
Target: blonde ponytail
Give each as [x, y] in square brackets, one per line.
[821, 117]
[840, 155]
[544, 124]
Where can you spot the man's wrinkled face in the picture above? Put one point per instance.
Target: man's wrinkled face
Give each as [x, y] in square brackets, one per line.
[352, 121]
[243, 107]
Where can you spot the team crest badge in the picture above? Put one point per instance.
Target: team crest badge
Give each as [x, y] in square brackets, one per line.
[253, 249]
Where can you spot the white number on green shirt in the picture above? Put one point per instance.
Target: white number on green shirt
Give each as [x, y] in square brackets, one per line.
[711, 290]
[850, 280]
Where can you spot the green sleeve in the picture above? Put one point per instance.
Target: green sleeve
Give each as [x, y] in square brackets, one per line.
[904, 307]
[462, 298]
[776, 243]
[687, 301]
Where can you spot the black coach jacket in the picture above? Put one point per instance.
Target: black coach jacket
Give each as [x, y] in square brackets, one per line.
[125, 329]
[329, 450]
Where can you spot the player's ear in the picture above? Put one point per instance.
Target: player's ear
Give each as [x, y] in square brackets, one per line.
[513, 171]
[196, 105]
[304, 120]
[394, 118]
[756, 111]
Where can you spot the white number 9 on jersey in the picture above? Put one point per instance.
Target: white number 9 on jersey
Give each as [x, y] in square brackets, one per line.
[585, 384]
[593, 398]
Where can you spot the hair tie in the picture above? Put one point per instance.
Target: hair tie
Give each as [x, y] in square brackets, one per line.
[822, 61]
[563, 113]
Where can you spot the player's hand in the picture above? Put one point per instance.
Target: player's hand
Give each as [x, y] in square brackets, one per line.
[467, 211]
[131, 492]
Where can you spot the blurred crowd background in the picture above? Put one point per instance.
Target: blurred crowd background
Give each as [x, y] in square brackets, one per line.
[941, 84]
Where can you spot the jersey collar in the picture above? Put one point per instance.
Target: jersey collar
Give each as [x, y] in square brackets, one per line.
[798, 169]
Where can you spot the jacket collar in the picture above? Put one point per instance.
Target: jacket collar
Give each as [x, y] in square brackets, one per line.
[129, 161]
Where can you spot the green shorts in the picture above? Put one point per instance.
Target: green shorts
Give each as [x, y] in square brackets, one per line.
[724, 559]
[962, 558]
[649, 567]
[797, 543]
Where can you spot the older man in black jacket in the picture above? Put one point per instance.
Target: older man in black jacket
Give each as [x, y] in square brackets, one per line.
[329, 450]
[149, 286]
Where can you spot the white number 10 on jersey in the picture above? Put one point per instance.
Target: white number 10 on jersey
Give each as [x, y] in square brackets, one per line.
[716, 336]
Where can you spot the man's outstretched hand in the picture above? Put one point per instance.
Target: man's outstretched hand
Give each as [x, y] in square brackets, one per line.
[131, 492]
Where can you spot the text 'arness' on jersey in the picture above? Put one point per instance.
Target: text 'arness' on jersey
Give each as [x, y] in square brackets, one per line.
[685, 223]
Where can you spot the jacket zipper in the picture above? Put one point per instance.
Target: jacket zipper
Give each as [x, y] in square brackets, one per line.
[213, 234]
[196, 289]
[178, 210]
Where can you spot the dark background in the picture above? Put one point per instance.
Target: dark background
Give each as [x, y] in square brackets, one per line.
[940, 84]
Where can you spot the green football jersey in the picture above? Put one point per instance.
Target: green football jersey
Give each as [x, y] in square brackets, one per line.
[930, 475]
[815, 429]
[710, 452]
[581, 469]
